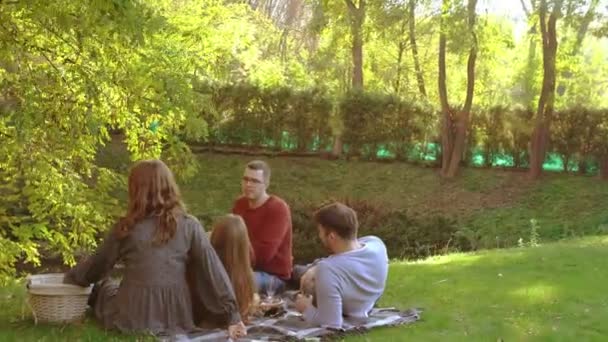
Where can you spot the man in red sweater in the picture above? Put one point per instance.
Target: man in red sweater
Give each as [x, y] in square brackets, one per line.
[268, 221]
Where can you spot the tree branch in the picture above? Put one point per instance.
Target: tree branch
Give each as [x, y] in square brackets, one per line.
[352, 7]
[472, 57]
[67, 84]
[526, 10]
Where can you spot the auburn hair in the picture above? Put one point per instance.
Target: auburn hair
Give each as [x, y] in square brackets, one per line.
[152, 193]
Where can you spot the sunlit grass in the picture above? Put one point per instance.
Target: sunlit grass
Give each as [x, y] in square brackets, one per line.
[555, 292]
[535, 293]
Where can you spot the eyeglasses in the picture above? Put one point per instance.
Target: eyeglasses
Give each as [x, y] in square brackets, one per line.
[251, 180]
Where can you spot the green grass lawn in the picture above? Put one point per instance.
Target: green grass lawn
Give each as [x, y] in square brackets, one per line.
[554, 292]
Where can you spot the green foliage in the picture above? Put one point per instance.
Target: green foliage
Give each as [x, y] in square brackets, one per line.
[277, 118]
[578, 135]
[70, 73]
[501, 134]
[405, 234]
[374, 121]
[162, 73]
[568, 134]
[375, 125]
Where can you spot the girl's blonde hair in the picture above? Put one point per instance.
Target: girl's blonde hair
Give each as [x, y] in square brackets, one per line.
[230, 240]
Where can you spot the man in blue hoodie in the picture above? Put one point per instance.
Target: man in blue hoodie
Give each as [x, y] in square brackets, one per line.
[352, 278]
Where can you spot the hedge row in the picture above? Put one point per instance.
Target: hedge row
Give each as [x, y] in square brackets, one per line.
[376, 126]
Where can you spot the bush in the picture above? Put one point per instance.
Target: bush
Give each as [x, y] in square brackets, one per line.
[594, 146]
[406, 235]
[275, 118]
[501, 132]
[386, 126]
[489, 133]
[567, 134]
[379, 121]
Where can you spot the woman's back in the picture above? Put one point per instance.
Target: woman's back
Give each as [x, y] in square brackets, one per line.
[150, 264]
[168, 261]
[154, 295]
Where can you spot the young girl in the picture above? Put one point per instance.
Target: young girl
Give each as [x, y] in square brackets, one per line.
[230, 240]
[158, 242]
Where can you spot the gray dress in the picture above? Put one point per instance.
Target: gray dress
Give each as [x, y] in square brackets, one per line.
[164, 289]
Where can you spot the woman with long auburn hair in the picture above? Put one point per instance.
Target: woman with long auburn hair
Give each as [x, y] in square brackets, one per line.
[230, 240]
[160, 245]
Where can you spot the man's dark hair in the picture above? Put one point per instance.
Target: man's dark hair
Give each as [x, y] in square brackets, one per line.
[338, 218]
[260, 165]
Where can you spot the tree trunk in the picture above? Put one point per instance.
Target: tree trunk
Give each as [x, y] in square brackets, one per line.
[357, 16]
[462, 119]
[357, 57]
[582, 31]
[538, 149]
[283, 45]
[412, 36]
[487, 158]
[397, 84]
[604, 168]
[582, 167]
[336, 150]
[566, 162]
[400, 52]
[540, 135]
[446, 124]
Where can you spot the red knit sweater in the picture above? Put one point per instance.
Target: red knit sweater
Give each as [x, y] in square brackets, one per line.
[269, 228]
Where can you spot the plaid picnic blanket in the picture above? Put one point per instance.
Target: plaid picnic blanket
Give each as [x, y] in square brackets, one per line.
[288, 325]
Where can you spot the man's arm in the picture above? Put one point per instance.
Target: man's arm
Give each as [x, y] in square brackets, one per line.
[328, 312]
[275, 229]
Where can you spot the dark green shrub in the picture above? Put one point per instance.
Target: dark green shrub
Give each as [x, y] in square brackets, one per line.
[405, 234]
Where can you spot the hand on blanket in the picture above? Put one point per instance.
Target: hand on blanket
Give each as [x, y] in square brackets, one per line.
[237, 330]
[303, 302]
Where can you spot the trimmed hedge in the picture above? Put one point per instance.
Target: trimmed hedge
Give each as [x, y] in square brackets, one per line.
[278, 119]
[383, 126]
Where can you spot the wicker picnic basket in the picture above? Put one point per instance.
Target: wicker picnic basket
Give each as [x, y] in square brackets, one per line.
[54, 302]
